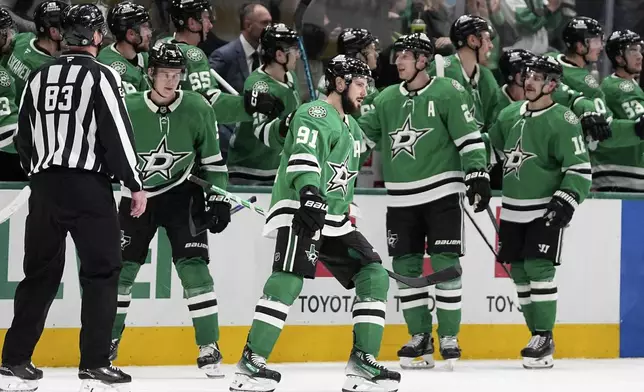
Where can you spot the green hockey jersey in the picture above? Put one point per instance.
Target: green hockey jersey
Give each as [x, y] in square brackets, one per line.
[200, 78]
[8, 111]
[25, 57]
[251, 155]
[482, 87]
[133, 72]
[322, 149]
[175, 141]
[428, 138]
[367, 102]
[543, 151]
[625, 171]
[563, 95]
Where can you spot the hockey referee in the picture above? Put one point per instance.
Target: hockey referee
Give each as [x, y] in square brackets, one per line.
[73, 134]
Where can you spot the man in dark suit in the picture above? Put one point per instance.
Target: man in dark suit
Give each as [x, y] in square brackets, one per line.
[237, 59]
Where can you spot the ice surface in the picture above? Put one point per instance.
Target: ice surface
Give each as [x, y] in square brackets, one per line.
[617, 375]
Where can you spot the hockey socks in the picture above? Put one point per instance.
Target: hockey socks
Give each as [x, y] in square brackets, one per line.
[199, 291]
[540, 308]
[372, 284]
[127, 277]
[280, 291]
[413, 302]
[448, 296]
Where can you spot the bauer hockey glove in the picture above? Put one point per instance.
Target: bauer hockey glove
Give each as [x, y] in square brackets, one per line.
[217, 212]
[560, 209]
[309, 218]
[264, 103]
[285, 123]
[477, 189]
[595, 127]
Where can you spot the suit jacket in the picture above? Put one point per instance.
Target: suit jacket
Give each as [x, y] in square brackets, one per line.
[229, 61]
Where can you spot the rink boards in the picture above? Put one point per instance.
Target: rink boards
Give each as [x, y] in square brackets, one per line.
[601, 290]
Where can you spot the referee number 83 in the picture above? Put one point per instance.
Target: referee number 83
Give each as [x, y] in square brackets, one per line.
[58, 98]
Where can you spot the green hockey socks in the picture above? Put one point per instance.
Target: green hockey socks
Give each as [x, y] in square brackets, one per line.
[537, 292]
[372, 285]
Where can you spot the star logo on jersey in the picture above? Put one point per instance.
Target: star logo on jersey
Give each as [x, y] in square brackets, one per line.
[312, 254]
[341, 177]
[5, 79]
[405, 138]
[515, 158]
[161, 160]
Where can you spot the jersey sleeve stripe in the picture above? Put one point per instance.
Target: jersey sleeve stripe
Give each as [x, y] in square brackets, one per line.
[6, 134]
[472, 136]
[304, 158]
[472, 147]
[581, 167]
[302, 167]
[262, 132]
[215, 168]
[212, 159]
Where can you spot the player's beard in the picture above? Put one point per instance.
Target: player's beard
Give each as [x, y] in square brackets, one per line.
[347, 105]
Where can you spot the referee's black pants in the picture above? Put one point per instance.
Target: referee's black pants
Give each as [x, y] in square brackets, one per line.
[81, 203]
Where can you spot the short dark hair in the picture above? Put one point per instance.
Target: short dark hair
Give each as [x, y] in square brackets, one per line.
[244, 12]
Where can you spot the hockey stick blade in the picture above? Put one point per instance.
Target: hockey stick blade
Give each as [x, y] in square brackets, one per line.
[15, 204]
[441, 276]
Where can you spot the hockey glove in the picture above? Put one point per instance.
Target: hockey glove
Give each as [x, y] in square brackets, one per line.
[309, 218]
[639, 127]
[595, 127]
[285, 123]
[560, 209]
[477, 189]
[217, 212]
[264, 103]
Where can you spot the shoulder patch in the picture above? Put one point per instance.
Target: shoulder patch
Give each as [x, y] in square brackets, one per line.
[119, 67]
[317, 112]
[457, 85]
[5, 79]
[591, 81]
[627, 86]
[448, 62]
[194, 54]
[260, 86]
[571, 117]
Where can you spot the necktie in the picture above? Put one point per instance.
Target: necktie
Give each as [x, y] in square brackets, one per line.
[255, 57]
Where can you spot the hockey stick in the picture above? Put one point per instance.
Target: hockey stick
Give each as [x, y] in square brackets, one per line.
[492, 218]
[476, 226]
[233, 197]
[223, 82]
[299, 20]
[195, 229]
[441, 276]
[240, 207]
[15, 204]
[496, 228]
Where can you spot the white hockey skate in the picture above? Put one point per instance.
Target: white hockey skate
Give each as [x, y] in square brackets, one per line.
[450, 351]
[22, 378]
[418, 352]
[104, 379]
[252, 375]
[210, 360]
[538, 353]
[364, 374]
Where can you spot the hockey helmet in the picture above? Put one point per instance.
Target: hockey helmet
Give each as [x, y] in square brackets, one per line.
[81, 22]
[618, 42]
[467, 25]
[417, 43]
[545, 65]
[353, 41]
[512, 62]
[49, 14]
[581, 29]
[182, 10]
[276, 37]
[166, 55]
[346, 68]
[6, 22]
[125, 16]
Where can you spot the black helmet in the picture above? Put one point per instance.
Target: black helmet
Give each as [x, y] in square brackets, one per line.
[546, 65]
[618, 42]
[49, 14]
[353, 41]
[467, 25]
[182, 10]
[125, 16]
[347, 68]
[5, 19]
[580, 29]
[418, 43]
[276, 37]
[81, 22]
[166, 55]
[512, 62]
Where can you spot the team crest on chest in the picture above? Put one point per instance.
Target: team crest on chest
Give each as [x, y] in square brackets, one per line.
[161, 160]
[5, 80]
[342, 176]
[406, 137]
[515, 158]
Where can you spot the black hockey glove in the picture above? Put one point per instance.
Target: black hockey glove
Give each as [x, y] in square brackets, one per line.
[639, 127]
[217, 213]
[595, 127]
[264, 103]
[309, 218]
[285, 123]
[477, 189]
[560, 209]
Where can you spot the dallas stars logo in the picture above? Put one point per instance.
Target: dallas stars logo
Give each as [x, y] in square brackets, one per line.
[515, 158]
[312, 254]
[161, 160]
[405, 138]
[341, 177]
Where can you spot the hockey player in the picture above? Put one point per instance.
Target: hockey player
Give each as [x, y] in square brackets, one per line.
[625, 98]
[472, 37]
[547, 175]
[511, 64]
[130, 25]
[252, 158]
[428, 138]
[28, 51]
[363, 45]
[312, 194]
[8, 107]
[176, 134]
[192, 19]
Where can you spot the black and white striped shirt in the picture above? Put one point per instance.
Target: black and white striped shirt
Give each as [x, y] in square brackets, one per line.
[72, 114]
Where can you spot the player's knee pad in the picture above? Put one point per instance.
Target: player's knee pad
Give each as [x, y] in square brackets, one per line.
[129, 270]
[283, 287]
[372, 282]
[408, 265]
[194, 275]
[539, 270]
